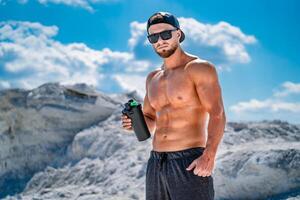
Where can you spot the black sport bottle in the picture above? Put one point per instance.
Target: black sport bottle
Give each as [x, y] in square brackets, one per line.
[133, 110]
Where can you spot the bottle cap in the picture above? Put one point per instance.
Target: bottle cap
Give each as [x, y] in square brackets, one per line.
[133, 103]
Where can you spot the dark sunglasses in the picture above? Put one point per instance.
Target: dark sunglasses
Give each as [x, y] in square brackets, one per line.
[164, 35]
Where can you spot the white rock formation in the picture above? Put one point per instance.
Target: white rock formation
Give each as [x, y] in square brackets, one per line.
[256, 160]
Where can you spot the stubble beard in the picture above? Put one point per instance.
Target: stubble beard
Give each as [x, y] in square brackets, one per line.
[167, 53]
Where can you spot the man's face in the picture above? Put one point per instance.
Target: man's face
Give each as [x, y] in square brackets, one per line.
[165, 48]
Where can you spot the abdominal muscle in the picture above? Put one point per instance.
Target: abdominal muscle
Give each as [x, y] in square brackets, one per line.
[179, 129]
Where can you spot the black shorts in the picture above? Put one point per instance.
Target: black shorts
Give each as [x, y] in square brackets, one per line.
[168, 179]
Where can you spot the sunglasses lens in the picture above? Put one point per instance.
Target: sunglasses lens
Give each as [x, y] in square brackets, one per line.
[153, 38]
[165, 35]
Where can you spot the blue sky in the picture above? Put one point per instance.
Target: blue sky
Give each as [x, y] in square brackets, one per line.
[253, 44]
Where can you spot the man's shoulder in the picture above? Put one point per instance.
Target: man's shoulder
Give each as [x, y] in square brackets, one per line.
[201, 69]
[199, 64]
[152, 73]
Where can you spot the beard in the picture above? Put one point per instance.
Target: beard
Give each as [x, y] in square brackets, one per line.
[167, 53]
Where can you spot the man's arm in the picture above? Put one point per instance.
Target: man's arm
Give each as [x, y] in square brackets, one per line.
[148, 111]
[205, 77]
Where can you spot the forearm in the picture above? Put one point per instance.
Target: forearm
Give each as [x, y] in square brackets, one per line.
[215, 131]
[150, 123]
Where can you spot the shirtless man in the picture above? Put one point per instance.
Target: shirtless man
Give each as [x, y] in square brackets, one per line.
[183, 105]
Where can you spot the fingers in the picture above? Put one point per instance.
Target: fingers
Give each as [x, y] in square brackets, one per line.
[126, 122]
[125, 118]
[202, 172]
[192, 165]
[198, 170]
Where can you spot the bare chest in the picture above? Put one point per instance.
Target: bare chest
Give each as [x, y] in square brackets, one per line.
[174, 89]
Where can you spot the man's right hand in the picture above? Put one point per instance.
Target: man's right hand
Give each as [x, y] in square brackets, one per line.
[126, 122]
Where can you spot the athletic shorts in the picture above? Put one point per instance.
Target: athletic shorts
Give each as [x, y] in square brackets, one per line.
[168, 179]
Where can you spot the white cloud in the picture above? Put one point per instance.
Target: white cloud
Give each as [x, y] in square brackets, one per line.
[268, 105]
[132, 82]
[276, 103]
[28, 49]
[118, 61]
[288, 88]
[253, 104]
[223, 35]
[138, 33]
[286, 106]
[222, 41]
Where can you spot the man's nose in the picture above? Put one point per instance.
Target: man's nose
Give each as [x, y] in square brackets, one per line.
[160, 41]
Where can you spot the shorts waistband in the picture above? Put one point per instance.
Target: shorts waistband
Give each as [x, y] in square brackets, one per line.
[177, 154]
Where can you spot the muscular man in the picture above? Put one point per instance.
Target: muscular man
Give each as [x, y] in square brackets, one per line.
[183, 106]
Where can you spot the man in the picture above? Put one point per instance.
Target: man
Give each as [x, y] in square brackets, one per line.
[183, 104]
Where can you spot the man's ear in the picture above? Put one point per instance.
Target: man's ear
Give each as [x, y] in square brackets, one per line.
[178, 35]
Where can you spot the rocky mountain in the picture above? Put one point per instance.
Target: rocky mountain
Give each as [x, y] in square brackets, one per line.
[66, 142]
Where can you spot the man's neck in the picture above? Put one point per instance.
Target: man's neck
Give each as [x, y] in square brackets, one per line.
[176, 59]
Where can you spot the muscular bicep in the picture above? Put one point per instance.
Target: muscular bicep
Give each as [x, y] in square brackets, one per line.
[210, 97]
[207, 85]
[148, 110]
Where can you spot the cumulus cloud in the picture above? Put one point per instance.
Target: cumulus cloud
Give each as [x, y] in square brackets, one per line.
[230, 39]
[138, 34]
[222, 43]
[29, 52]
[268, 104]
[276, 103]
[288, 88]
[132, 82]
[31, 56]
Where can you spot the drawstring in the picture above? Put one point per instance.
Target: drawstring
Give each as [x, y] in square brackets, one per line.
[162, 157]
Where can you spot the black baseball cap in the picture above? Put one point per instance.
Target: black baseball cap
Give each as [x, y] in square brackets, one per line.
[165, 17]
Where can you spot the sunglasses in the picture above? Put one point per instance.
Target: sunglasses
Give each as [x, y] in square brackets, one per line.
[164, 35]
